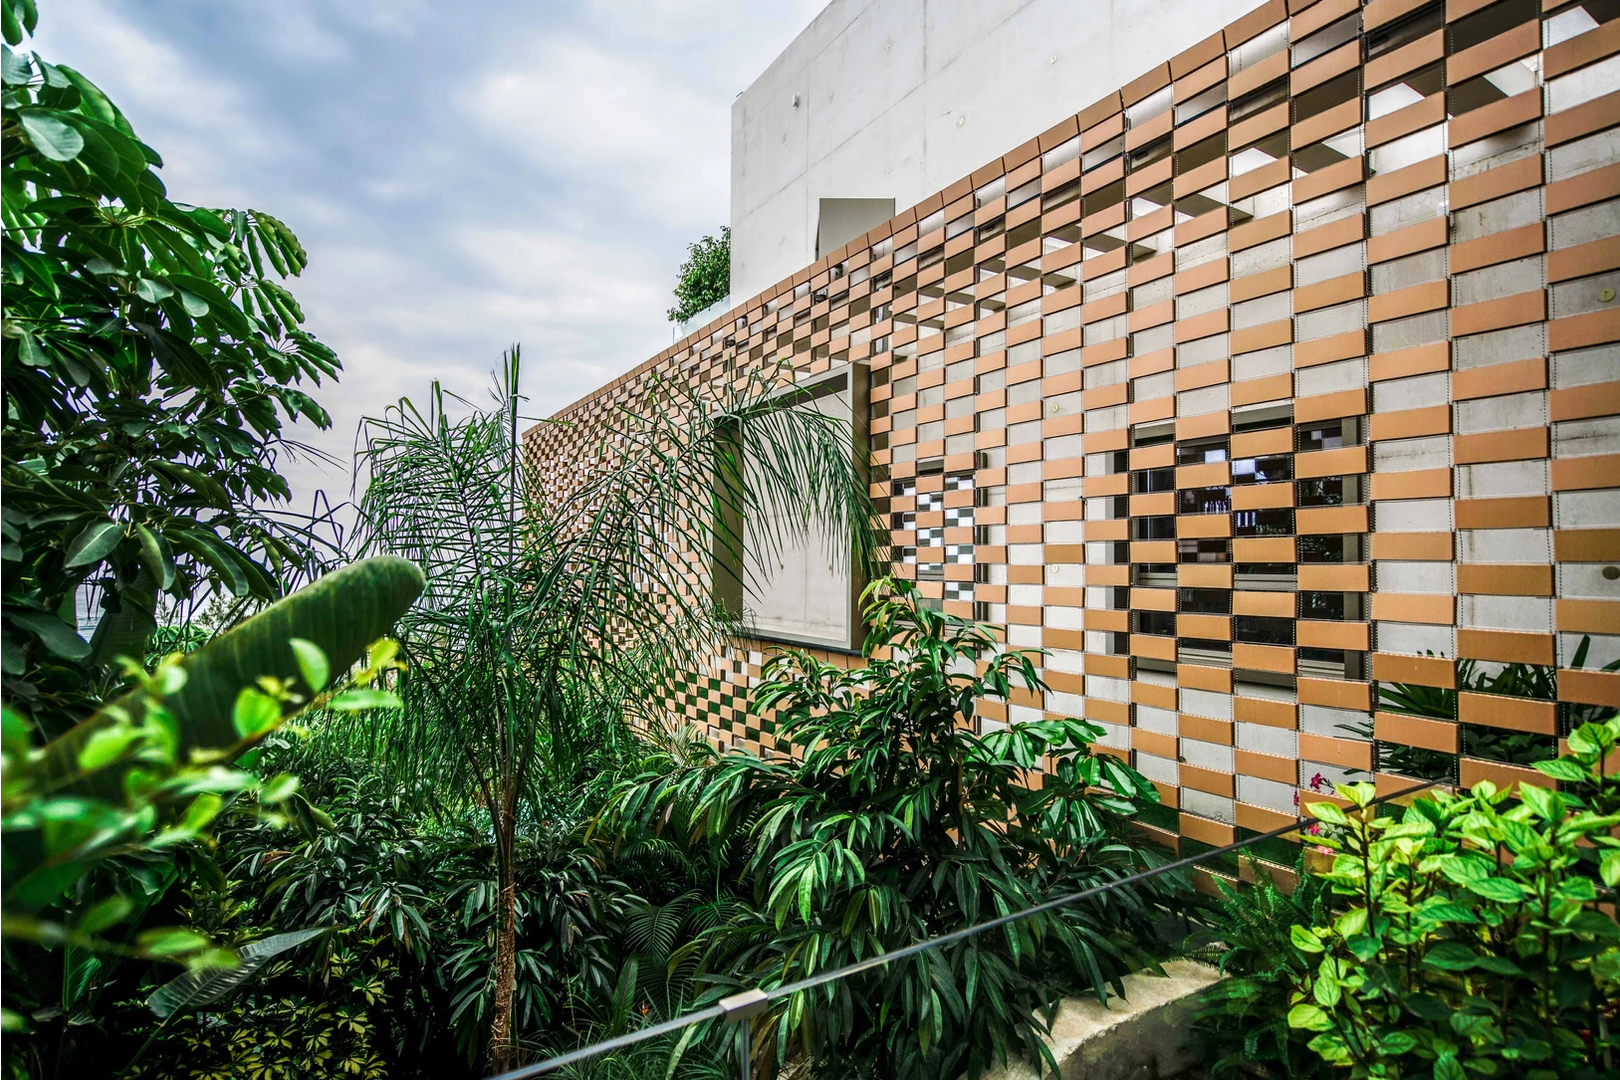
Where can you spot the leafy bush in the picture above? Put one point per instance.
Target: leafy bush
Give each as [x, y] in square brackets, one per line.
[1244, 1017]
[902, 822]
[1535, 681]
[152, 361]
[704, 278]
[1472, 938]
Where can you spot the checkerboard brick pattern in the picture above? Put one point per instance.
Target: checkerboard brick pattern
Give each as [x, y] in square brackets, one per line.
[1288, 371]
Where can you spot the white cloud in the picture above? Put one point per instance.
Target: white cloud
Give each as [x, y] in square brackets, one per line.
[603, 118]
[201, 125]
[463, 180]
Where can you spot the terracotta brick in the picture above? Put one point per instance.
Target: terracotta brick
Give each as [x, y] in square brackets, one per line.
[1584, 119]
[1416, 731]
[1425, 50]
[1516, 512]
[1412, 300]
[1404, 362]
[1581, 402]
[1326, 237]
[1504, 646]
[1259, 231]
[1418, 484]
[1327, 350]
[1515, 377]
[1258, 337]
[1379, 12]
[1471, 771]
[1579, 331]
[1408, 241]
[1330, 406]
[1577, 52]
[1423, 670]
[1589, 687]
[1499, 248]
[1497, 116]
[1584, 259]
[1345, 753]
[1502, 49]
[1515, 714]
[1262, 284]
[1410, 423]
[1504, 580]
[1323, 294]
[1582, 190]
[1586, 473]
[1426, 113]
[1394, 185]
[1515, 445]
[1586, 545]
[1438, 610]
[1587, 616]
[1499, 314]
[1326, 181]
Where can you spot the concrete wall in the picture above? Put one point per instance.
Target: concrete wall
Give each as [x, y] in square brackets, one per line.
[898, 98]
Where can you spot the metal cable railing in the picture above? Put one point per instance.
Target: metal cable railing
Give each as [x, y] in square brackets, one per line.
[743, 1006]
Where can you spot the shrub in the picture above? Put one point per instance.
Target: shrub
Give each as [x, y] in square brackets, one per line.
[1244, 1020]
[1472, 940]
[902, 822]
[704, 278]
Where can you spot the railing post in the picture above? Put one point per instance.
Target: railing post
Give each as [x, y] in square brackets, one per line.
[742, 1008]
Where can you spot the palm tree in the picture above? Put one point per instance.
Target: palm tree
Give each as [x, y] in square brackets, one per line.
[560, 592]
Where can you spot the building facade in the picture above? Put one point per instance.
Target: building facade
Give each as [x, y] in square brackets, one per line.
[1270, 394]
[878, 104]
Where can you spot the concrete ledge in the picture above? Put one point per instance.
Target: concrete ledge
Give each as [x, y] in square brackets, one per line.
[1147, 1035]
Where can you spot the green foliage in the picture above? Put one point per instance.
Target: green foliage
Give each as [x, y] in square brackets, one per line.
[549, 611]
[100, 822]
[1244, 1019]
[317, 1016]
[1472, 938]
[1536, 681]
[704, 278]
[151, 362]
[902, 822]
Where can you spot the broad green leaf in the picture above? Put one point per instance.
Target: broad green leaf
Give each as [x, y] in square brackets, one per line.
[1542, 801]
[1328, 812]
[1610, 869]
[1499, 889]
[171, 941]
[278, 788]
[51, 135]
[1308, 1017]
[255, 712]
[343, 613]
[104, 913]
[156, 556]
[311, 663]
[195, 989]
[1447, 1068]
[57, 636]
[106, 746]
[1451, 956]
[94, 543]
[1563, 769]
[1304, 940]
[364, 698]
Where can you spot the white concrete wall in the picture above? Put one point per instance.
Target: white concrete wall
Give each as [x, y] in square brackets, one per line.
[900, 98]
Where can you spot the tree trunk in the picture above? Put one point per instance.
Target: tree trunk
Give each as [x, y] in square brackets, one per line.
[502, 1052]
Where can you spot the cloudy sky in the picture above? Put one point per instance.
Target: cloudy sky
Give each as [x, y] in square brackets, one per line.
[464, 176]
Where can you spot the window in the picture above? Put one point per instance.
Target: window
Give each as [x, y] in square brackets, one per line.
[790, 580]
